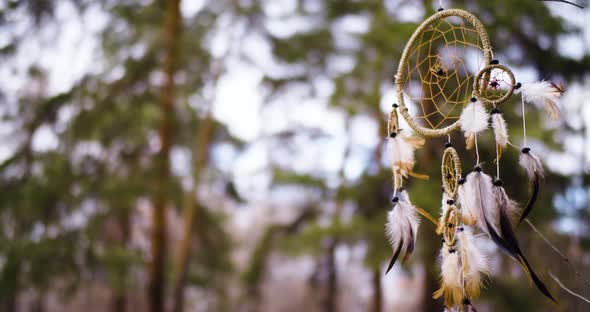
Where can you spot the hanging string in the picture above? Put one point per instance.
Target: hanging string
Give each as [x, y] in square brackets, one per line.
[523, 121]
[497, 162]
[476, 151]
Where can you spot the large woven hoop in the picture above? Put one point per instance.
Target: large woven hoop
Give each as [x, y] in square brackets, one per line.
[402, 68]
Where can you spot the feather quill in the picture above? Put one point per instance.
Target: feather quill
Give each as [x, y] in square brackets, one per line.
[544, 93]
[402, 227]
[500, 130]
[473, 119]
[534, 169]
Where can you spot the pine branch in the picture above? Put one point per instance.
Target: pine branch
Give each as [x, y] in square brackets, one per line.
[563, 256]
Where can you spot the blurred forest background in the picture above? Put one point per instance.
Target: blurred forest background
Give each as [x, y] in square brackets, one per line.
[229, 155]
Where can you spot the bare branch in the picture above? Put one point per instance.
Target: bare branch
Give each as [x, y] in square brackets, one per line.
[566, 2]
[565, 258]
[567, 289]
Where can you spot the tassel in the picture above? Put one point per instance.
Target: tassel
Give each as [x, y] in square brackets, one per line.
[545, 93]
[402, 154]
[500, 130]
[451, 282]
[506, 239]
[474, 119]
[475, 262]
[402, 227]
[534, 169]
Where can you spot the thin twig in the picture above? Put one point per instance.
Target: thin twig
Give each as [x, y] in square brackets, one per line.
[567, 289]
[565, 258]
[566, 2]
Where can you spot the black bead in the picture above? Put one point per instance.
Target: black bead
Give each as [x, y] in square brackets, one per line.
[517, 85]
[440, 72]
[393, 134]
[495, 110]
[497, 182]
[394, 105]
[450, 225]
[466, 301]
[395, 199]
[442, 239]
[448, 176]
[448, 144]
[461, 181]
[440, 9]
[494, 62]
[451, 250]
[526, 150]
[477, 169]
[450, 202]
[461, 229]
[473, 99]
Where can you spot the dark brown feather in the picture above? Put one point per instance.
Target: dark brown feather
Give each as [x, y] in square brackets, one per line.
[394, 259]
[535, 183]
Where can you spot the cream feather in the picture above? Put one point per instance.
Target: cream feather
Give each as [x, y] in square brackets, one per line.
[474, 119]
[534, 169]
[500, 130]
[451, 277]
[402, 227]
[468, 212]
[475, 262]
[543, 93]
[402, 153]
[532, 164]
[480, 200]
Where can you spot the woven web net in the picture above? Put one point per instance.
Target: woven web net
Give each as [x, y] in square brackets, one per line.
[441, 67]
[494, 84]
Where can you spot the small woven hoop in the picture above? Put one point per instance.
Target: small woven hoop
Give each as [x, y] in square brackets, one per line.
[450, 223]
[450, 171]
[488, 69]
[401, 70]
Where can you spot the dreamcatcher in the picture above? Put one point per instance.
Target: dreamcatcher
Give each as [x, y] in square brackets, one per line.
[447, 81]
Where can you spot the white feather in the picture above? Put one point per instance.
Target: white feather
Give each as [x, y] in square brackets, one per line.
[532, 164]
[402, 153]
[468, 211]
[477, 259]
[450, 268]
[500, 130]
[402, 221]
[474, 119]
[543, 93]
[478, 196]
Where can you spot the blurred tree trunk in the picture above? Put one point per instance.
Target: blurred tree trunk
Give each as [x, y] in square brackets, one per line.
[157, 282]
[331, 299]
[377, 295]
[119, 303]
[200, 153]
